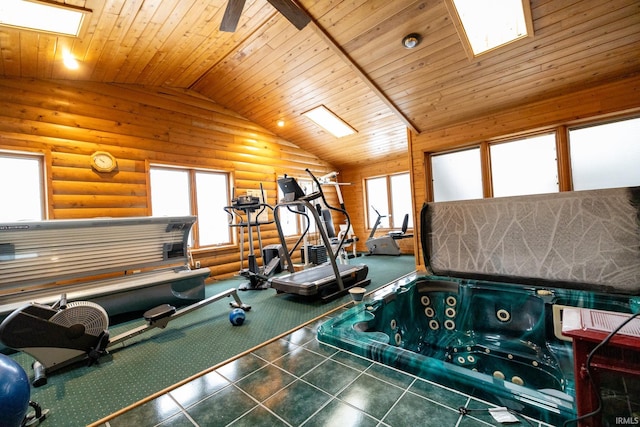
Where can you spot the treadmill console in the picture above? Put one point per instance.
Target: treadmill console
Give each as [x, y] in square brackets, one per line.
[290, 188]
[245, 201]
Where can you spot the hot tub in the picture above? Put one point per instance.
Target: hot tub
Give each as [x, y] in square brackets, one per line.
[500, 342]
[487, 319]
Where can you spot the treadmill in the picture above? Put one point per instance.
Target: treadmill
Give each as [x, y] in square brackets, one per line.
[328, 280]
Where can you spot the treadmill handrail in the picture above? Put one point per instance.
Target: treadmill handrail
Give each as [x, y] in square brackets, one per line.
[323, 236]
[333, 208]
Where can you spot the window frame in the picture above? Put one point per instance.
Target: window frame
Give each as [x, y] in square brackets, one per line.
[594, 124]
[393, 224]
[42, 159]
[466, 43]
[469, 148]
[193, 208]
[522, 139]
[561, 132]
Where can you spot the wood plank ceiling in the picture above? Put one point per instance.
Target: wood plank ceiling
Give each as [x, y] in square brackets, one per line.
[349, 58]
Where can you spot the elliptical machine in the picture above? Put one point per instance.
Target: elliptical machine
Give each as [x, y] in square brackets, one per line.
[386, 244]
[246, 212]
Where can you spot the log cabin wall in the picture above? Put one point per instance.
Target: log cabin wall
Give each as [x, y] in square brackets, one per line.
[68, 121]
[617, 98]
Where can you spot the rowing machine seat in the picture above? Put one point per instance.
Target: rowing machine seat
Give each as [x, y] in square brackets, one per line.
[160, 312]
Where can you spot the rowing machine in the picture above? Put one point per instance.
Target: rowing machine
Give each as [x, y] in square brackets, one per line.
[66, 333]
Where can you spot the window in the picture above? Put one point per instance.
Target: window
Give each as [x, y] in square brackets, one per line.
[179, 192]
[327, 120]
[606, 155]
[21, 174]
[603, 155]
[389, 194]
[486, 25]
[457, 176]
[524, 166]
[378, 204]
[55, 18]
[401, 200]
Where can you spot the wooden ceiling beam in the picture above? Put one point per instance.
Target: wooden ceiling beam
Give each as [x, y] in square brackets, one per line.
[324, 35]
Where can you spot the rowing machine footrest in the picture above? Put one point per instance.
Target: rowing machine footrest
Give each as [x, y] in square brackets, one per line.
[100, 349]
[159, 312]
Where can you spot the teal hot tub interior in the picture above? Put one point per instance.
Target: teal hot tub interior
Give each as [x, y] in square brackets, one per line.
[487, 318]
[500, 342]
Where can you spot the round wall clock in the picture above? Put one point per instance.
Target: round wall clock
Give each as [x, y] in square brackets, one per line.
[103, 161]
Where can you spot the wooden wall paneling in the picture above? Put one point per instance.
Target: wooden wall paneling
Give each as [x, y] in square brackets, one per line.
[485, 170]
[417, 17]
[267, 70]
[114, 45]
[488, 76]
[28, 57]
[204, 57]
[9, 49]
[172, 53]
[304, 90]
[130, 26]
[151, 38]
[612, 98]
[48, 189]
[89, 48]
[80, 47]
[296, 84]
[140, 125]
[564, 161]
[555, 113]
[257, 56]
[354, 197]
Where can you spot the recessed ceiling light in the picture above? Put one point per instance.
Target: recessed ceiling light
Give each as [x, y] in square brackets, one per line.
[333, 124]
[280, 123]
[69, 60]
[411, 40]
[43, 15]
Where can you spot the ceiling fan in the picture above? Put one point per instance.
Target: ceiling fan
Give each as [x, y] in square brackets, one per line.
[288, 8]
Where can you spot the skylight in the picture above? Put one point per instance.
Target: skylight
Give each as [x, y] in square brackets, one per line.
[488, 24]
[46, 16]
[329, 121]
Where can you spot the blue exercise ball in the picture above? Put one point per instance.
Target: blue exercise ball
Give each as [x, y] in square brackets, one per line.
[237, 316]
[15, 392]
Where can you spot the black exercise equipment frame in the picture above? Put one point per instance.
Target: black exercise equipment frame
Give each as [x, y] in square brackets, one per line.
[309, 288]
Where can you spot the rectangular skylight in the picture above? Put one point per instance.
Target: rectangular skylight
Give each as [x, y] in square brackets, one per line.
[488, 24]
[329, 121]
[42, 15]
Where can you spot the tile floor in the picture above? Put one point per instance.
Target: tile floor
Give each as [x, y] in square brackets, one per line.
[298, 381]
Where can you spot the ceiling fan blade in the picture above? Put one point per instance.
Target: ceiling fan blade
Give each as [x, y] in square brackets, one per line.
[298, 17]
[231, 15]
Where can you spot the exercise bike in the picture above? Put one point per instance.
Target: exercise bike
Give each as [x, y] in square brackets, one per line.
[68, 332]
[386, 245]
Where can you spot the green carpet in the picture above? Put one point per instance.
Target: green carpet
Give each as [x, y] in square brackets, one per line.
[160, 358]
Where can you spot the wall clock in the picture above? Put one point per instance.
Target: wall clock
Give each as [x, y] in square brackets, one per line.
[103, 161]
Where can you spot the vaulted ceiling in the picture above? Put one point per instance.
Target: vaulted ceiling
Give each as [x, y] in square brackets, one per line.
[349, 58]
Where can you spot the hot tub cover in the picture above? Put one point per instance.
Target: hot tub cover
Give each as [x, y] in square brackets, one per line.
[581, 239]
